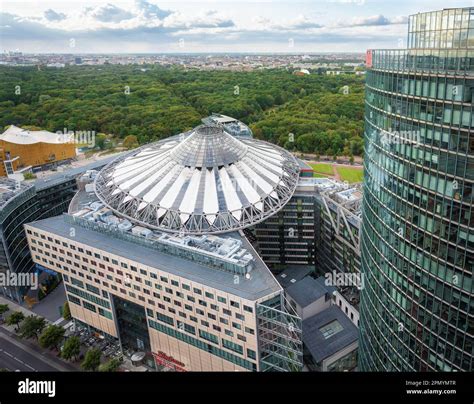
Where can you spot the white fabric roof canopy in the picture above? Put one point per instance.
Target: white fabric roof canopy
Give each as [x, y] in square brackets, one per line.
[17, 135]
[209, 182]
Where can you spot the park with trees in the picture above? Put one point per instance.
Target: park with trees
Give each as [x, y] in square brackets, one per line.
[313, 113]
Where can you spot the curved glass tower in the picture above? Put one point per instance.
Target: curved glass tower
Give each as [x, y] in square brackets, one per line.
[417, 243]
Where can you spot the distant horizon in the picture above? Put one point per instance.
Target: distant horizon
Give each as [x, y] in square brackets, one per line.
[190, 53]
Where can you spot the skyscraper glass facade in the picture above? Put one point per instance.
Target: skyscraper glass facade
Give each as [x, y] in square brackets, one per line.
[21, 207]
[417, 240]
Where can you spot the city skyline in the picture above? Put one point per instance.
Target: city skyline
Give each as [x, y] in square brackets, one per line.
[143, 26]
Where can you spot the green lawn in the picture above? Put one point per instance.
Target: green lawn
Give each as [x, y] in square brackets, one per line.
[350, 174]
[322, 168]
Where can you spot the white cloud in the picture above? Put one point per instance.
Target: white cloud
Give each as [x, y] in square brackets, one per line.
[402, 19]
[146, 24]
[149, 10]
[206, 19]
[109, 13]
[52, 15]
[374, 20]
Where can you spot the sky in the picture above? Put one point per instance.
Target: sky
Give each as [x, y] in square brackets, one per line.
[152, 26]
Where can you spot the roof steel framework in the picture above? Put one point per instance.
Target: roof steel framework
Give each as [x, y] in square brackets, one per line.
[210, 182]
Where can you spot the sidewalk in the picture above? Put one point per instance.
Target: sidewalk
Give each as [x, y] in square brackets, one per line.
[13, 306]
[16, 307]
[49, 306]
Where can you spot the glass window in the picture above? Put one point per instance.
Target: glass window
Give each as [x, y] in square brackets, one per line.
[331, 329]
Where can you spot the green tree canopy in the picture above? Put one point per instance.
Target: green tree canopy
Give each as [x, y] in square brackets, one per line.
[52, 336]
[32, 326]
[164, 101]
[72, 348]
[130, 142]
[4, 308]
[15, 318]
[92, 359]
[66, 311]
[110, 366]
[100, 139]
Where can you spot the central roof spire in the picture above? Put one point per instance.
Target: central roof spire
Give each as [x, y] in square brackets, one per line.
[209, 146]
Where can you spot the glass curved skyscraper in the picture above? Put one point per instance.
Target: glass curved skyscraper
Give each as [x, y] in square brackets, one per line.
[417, 240]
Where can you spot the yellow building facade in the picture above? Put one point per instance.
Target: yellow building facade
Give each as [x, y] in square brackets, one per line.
[21, 148]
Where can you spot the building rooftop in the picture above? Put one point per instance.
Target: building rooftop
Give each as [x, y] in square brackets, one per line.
[306, 291]
[207, 182]
[80, 204]
[293, 274]
[231, 125]
[23, 136]
[9, 189]
[329, 288]
[224, 251]
[304, 165]
[336, 193]
[318, 185]
[259, 282]
[352, 194]
[347, 199]
[327, 332]
[69, 173]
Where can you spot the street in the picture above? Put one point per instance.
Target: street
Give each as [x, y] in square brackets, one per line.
[18, 355]
[14, 358]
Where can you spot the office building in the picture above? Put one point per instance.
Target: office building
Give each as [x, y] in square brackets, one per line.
[289, 237]
[318, 227]
[154, 255]
[329, 323]
[18, 205]
[330, 342]
[24, 202]
[338, 221]
[417, 238]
